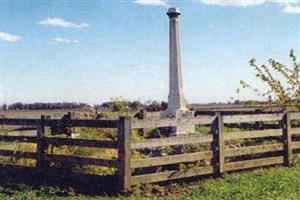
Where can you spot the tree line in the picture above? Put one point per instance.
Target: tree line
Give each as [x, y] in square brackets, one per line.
[43, 106]
[115, 105]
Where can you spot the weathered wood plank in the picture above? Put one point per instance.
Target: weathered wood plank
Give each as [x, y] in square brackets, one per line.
[296, 145]
[153, 123]
[232, 166]
[94, 123]
[174, 159]
[171, 175]
[253, 150]
[156, 123]
[295, 116]
[253, 134]
[169, 141]
[75, 122]
[22, 128]
[81, 160]
[82, 142]
[17, 154]
[25, 139]
[41, 146]
[204, 119]
[124, 153]
[295, 131]
[23, 122]
[218, 145]
[287, 139]
[228, 119]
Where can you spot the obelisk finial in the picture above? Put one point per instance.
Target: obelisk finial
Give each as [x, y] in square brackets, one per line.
[173, 12]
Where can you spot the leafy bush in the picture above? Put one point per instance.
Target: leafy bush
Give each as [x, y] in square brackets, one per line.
[283, 83]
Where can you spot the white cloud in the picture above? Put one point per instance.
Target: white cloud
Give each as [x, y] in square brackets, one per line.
[9, 37]
[54, 21]
[244, 3]
[65, 40]
[233, 2]
[291, 9]
[152, 2]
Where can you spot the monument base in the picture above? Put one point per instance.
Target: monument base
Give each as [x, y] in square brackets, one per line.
[184, 118]
[177, 113]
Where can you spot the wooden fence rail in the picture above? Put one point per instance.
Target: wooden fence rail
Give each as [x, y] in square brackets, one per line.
[211, 155]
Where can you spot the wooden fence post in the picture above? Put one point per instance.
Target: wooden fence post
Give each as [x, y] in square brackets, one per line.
[142, 115]
[287, 139]
[124, 153]
[41, 146]
[218, 145]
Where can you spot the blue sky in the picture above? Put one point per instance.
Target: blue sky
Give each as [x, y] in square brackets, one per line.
[90, 51]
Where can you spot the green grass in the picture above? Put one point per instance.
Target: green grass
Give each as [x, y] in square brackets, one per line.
[278, 183]
[274, 183]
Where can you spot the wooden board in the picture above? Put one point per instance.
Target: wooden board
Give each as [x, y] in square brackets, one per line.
[169, 122]
[22, 122]
[124, 154]
[233, 166]
[25, 139]
[95, 123]
[218, 145]
[166, 160]
[82, 142]
[253, 134]
[17, 154]
[295, 131]
[287, 139]
[296, 145]
[169, 141]
[170, 175]
[203, 119]
[81, 160]
[76, 122]
[153, 123]
[230, 119]
[295, 116]
[253, 150]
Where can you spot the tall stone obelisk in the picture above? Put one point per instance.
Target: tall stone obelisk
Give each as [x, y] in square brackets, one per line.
[176, 101]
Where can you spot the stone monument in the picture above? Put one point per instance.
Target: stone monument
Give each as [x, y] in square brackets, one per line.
[176, 102]
[177, 108]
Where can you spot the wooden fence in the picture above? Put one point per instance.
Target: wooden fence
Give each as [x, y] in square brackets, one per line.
[42, 142]
[221, 157]
[270, 147]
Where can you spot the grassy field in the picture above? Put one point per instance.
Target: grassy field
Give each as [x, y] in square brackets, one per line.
[278, 183]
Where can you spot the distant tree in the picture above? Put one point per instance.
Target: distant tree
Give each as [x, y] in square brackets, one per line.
[45, 106]
[236, 101]
[135, 105]
[153, 106]
[4, 106]
[116, 104]
[164, 105]
[283, 83]
[16, 106]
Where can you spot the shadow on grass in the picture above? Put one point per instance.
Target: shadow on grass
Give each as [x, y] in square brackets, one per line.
[16, 179]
